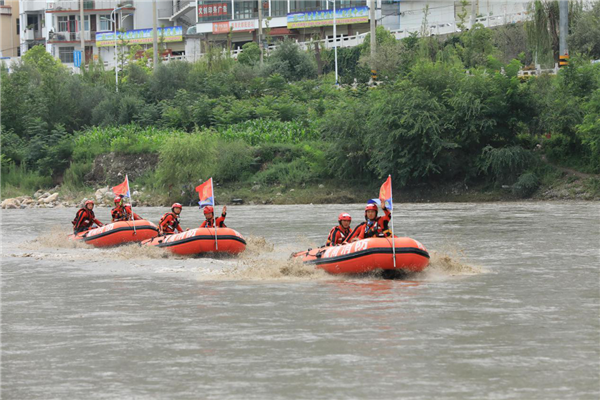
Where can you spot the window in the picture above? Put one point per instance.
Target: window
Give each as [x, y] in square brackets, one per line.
[86, 23]
[18, 26]
[246, 9]
[308, 5]
[65, 54]
[105, 24]
[63, 24]
[278, 8]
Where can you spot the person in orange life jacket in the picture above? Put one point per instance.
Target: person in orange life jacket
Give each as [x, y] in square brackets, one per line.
[118, 213]
[85, 218]
[131, 216]
[210, 218]
[373, 225]
[339, 233]
[170, 221]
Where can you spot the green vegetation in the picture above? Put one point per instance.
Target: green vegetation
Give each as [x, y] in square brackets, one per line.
[448, 109]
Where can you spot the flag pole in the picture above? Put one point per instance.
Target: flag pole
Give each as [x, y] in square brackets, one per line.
[393, 237]
[212, 189]
[131, 216]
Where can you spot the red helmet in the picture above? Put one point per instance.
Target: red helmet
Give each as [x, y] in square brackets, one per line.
[88, 202]
[208, 210]
[118, 199]
[371, 207]
[128, 208]
[176, 205]
[344, 217]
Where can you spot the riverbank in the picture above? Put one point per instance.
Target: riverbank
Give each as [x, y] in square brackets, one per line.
[567, 187]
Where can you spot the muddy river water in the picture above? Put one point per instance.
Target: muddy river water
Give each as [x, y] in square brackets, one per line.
[508, 309]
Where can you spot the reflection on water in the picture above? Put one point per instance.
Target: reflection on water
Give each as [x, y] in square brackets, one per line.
[507, 309]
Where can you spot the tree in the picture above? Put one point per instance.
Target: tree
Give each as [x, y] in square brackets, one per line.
[405, 133]
[477, 46]
[291, 62]
[250, 54]
[462, 16]
[585, 33]
[542, 29]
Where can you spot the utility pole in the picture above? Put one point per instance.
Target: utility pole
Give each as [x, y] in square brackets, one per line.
[563, 12]
[154, 35]
[373, 39]
[260, 32]
[473, 12]
[81, 35]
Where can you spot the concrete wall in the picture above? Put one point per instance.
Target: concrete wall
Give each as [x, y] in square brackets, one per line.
[9, 37]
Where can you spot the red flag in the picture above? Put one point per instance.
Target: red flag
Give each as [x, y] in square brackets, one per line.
[385, 193]
[122, 189]
[205, 192]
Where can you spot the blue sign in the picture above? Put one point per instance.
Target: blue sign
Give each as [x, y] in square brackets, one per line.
[77, 58]
[343, 16]
[137, 36]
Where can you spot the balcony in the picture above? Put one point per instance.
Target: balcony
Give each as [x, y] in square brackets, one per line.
[56, 37]
[34, 34]
[5, 10]
[71, 6]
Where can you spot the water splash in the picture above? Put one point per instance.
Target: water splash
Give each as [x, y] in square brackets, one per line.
[262, 261]
[58, 237]
[448, 262]
[134, 251]
[268, 269]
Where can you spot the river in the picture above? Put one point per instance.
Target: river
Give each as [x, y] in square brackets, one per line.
[508, 309]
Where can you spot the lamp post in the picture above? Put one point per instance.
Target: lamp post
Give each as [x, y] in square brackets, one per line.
[113, 18]
[334, 41]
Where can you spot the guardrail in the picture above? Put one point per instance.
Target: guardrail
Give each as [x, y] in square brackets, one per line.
[71, 36]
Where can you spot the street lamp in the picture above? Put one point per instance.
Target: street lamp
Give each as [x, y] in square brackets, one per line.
[334, 40]
[113, 19]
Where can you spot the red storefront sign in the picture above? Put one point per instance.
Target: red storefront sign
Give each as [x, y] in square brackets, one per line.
[220, 27]
[213, 10]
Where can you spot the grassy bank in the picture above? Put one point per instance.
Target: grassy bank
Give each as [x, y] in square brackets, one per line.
[562, 187]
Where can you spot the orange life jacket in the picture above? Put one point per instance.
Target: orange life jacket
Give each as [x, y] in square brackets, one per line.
[119, 214]
[210, 223]
[371, 228]
[84, 219]
[337, 235]
[168, 223]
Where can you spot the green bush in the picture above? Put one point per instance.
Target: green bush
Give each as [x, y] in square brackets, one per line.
[74, 176]
[504, 164]
[292, 164]
[589, 132]
[184, 161]
[568, 151]
[272, 131]
[526, 185]
[17, 180]
[250, 54]
[13, 147]
[235, 161]
[127, 139]
[278, 152]
[291, 62]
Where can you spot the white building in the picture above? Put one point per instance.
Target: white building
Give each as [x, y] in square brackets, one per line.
[56, 23]
[221, 21]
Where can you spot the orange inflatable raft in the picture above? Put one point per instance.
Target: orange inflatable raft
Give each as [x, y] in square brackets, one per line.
[368, 255]
[201, 240]
[118, 233]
